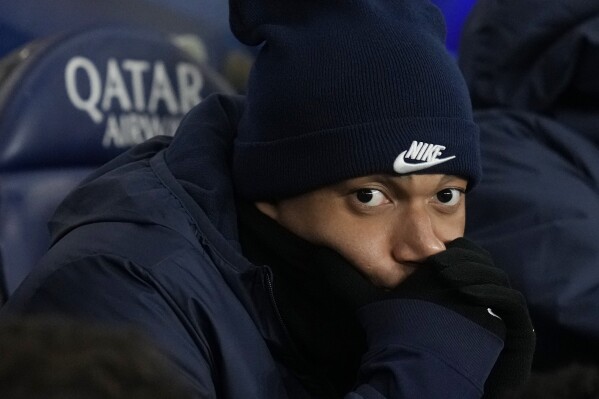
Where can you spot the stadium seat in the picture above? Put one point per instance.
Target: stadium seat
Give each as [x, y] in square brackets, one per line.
[71, 103]
[26, 20]
[455, 13]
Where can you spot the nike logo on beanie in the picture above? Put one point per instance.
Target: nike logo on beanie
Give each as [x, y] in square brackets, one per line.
[419, 151]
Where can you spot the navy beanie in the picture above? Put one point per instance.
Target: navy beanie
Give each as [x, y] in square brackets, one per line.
[348, 88]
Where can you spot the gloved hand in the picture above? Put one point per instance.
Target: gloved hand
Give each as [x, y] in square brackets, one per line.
[427, 283]
[469, 269]
[464, 279]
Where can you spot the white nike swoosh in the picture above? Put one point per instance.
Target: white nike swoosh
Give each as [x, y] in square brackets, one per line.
[402, 167]
[493, 313]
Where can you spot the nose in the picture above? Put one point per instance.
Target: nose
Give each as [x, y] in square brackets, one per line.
[415, 238]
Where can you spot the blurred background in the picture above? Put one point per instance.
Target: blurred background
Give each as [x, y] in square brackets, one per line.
[24, 21]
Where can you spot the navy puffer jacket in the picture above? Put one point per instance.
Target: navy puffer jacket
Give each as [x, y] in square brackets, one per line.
[532, 69]
[150, 239]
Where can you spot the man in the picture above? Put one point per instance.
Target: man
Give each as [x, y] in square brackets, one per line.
[304, 241]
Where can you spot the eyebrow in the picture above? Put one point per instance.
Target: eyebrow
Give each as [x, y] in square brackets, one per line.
[445, 179]
[390, 181]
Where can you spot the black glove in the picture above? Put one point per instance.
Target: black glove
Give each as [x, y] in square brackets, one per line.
[469, 269]
[464, 279]
[426, 283]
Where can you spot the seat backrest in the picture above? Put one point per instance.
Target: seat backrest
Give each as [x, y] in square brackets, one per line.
[26, 20]
[455, 12]
[71, 103]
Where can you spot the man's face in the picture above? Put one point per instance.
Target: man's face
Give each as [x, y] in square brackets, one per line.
[386, 226]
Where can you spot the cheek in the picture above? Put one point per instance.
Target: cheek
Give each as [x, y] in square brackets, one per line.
[356, 242]
[369, 252]
[375, 263]
[449, 228]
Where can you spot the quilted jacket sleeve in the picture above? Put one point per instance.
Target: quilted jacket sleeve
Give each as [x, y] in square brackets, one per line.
[417, 349]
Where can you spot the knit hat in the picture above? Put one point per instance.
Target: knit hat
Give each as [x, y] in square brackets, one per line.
[348, 88]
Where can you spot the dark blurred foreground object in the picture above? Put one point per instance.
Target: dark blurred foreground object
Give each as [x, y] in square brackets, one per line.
[62, 359]
[576, 381]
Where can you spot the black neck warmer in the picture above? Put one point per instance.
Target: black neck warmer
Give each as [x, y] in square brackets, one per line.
[324, 330]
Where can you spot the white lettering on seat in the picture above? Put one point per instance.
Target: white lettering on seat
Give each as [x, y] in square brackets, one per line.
[122, 89]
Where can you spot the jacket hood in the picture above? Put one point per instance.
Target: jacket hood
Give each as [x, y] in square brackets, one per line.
[127, 188]
[540, 55]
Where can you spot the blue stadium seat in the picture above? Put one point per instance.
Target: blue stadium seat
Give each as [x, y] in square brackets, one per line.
[455, 12]
[26, 20]
[71, 103]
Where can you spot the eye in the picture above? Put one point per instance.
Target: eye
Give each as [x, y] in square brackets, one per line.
[450, 196]
[371, 197]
